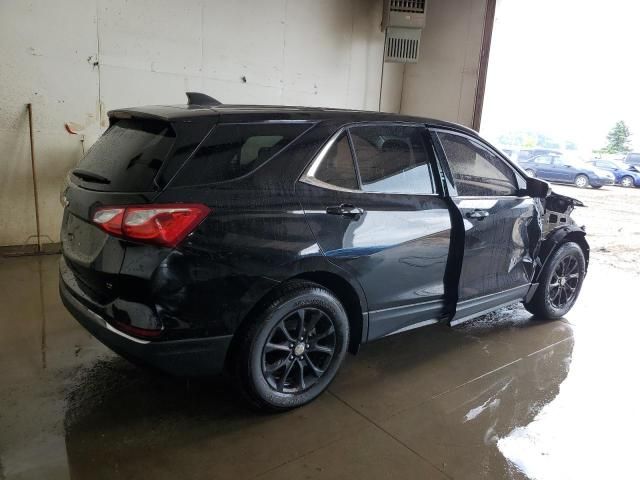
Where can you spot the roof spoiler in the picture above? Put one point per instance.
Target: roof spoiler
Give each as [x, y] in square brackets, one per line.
[197, 98]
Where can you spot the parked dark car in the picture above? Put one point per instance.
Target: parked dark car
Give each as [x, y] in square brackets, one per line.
[561, 169]
[269, 241]
[524, 154]
[632, 158]
[625, 174]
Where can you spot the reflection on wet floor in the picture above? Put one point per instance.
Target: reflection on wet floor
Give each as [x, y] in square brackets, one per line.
[431, 403]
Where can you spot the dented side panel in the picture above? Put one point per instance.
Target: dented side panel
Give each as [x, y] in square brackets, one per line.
[499, 249]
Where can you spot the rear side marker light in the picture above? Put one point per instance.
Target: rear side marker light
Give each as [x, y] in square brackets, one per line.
[165, 224]
[137, 331]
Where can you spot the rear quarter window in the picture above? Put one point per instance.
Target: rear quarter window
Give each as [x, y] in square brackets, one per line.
[234, 150]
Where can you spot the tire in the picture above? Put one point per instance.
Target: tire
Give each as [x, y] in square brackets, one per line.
[627, 181]
[596, 187]
[530, 172]
[581, 181]
[274, 370]
[547, 302]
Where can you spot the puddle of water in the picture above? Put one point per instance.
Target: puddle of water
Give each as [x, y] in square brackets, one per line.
[590, 429]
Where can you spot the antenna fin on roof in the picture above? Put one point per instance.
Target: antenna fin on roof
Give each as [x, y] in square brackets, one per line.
[197, 98]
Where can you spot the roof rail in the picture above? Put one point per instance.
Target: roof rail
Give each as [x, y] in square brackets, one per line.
[197, 98]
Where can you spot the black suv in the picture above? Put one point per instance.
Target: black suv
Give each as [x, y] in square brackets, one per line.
[268, 241]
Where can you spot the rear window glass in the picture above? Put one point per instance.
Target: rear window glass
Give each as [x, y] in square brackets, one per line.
[234, 150]
[392, 159]
[127, 157]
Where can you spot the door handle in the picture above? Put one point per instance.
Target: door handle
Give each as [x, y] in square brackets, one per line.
[478, 214]
[346, 210]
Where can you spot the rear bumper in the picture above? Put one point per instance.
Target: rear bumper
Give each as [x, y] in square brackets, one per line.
[189, 357]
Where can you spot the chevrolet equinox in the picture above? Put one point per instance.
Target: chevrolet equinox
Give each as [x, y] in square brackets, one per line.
[267, 242]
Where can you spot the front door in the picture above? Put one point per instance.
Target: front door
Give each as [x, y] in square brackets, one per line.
[382, 219]
[501, 228]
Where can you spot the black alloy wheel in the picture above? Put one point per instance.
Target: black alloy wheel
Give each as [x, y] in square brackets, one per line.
[559, 282]
[288, 353]
[564, 282]
[299, 350]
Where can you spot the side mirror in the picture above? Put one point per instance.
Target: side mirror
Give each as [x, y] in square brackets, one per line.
[536, 188]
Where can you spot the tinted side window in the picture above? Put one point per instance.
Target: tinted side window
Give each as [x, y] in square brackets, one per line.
[234, 150]
[337, 167]
[392, 159]
[476, 170]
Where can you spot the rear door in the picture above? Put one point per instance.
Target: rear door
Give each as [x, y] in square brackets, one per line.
[501, 228]
[382, 219]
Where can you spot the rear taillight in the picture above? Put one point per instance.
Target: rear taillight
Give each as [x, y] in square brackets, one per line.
[166, 224]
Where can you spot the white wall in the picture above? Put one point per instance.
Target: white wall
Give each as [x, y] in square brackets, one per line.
[76, 59]
[305, 52]
[443, 83]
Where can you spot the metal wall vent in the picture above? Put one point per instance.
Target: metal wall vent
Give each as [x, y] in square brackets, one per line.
[402, 22]
[402, 45]
[416, 6]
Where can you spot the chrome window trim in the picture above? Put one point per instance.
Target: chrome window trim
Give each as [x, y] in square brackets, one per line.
[317, 160]
[319, 183]
[309, 178]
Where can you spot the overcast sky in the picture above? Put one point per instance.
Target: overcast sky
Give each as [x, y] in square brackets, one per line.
[568, 68]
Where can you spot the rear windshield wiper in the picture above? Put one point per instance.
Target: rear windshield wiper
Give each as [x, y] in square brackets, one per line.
[88, 176]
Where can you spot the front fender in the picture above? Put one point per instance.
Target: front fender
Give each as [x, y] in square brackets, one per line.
[569, 233]
[558, 228]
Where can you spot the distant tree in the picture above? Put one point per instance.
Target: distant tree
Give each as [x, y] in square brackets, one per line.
[618, 138]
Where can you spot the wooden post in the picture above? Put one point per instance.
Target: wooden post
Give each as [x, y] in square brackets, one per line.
[33, 175]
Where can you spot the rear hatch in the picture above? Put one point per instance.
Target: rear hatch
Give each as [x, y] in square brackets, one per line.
[129, 165]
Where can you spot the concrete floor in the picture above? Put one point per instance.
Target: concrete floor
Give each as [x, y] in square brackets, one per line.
[492, 398]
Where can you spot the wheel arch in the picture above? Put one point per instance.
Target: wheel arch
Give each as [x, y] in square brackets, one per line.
[351, 296]
[556, 238]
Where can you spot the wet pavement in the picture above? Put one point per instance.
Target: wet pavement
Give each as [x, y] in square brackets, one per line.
[504, 396]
